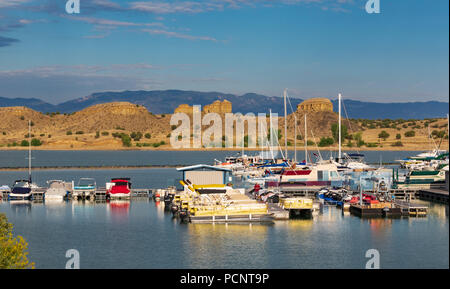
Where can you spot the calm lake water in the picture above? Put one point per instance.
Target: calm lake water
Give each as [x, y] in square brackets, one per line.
[139, 234]
[9, 159]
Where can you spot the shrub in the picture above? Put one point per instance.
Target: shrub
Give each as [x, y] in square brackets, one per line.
[397, 144]
[335, 131]
[173, 127]
[79, 132]
[105, 133]
[69, 132]
[326, 141]
[371, 145]
[136, 136]
[410, 133]
[383, 134]
[24, 143]
[97, 134]
[310, 143]
[13, 250]
[36, 142]
[126, 140]
[147, 135]
[398, 136]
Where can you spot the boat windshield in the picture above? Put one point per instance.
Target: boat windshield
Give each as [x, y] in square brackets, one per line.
[21, 184]
[121, 183]
[86, 183]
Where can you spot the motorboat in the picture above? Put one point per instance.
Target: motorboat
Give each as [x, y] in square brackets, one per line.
[118, 188]
[57, 191]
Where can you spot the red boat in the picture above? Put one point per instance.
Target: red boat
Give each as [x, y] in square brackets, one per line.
[119, 188]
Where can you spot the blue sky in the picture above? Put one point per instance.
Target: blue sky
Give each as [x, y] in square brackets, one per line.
[315, 48]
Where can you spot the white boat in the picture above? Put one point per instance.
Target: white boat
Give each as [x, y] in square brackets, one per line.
[57, 191]
[85, 189]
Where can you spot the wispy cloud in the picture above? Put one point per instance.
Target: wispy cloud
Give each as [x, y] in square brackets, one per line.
[108, 22]
[6, 41]
[12, 3]
[173, 34]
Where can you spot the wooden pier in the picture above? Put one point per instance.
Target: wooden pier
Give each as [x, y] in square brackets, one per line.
[37, 195]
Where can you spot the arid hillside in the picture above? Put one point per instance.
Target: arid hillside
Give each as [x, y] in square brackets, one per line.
[123, 125]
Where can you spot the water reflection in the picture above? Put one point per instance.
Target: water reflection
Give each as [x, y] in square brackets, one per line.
[118, 210]
[20, 206]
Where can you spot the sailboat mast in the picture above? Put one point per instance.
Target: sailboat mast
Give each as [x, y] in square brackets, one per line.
[448, 128]
[306, 142]
[29, 150]
[295, 138]
[340, 152]
[285, 124]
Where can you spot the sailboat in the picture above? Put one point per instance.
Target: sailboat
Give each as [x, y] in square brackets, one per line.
[352, 161]
[23, 189]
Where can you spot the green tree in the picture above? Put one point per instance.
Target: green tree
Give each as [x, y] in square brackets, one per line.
[24, 143]
[126, 140]
[398, 136]
[410, 133]
[13, 250]
[335, 132]
[326, 141]
[383, 134]
[36, 142]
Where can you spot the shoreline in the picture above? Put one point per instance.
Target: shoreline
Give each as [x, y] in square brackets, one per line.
[68, 168]
[299, 148]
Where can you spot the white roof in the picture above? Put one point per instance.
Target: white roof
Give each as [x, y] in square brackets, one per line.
[201, 166]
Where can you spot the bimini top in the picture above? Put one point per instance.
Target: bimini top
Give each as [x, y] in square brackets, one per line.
[203, 168]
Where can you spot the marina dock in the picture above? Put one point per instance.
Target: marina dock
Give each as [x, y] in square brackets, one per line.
[435, 195]
[411, 209]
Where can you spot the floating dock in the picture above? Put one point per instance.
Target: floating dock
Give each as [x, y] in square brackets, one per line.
[435, 195]
[381, 210]
[412, 209]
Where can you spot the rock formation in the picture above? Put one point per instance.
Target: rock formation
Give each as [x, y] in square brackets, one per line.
[217, 107]
[315, 105]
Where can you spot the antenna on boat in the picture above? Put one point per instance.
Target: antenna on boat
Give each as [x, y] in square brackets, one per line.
[285, 124]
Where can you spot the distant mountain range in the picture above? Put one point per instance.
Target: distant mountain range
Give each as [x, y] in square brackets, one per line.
[165, 101]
